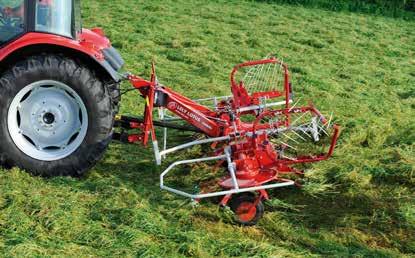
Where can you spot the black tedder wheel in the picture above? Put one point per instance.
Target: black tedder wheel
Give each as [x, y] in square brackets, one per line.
[56, 116]
[245, 210]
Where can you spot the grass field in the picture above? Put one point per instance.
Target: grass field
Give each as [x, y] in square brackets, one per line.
[360, 203]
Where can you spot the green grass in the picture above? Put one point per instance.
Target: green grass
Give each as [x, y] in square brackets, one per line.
[359, 203]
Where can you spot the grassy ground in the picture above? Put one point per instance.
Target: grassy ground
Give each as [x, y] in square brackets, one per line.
[360, 203]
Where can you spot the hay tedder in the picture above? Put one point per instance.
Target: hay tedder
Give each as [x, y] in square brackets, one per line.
[59, 95]
[255, 134]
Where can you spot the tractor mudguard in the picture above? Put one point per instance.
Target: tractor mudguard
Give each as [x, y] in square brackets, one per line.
[113, 58]
[112, 63]
[90, 46]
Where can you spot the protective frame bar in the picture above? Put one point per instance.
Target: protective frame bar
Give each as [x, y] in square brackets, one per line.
[235, 190]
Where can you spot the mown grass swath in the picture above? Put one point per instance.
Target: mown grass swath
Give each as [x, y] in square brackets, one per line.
[360, 203]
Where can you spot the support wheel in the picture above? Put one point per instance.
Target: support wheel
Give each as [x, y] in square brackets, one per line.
[247, 208]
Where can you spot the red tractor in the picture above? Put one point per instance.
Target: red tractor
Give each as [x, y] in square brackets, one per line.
[59, 97]
[59, 88]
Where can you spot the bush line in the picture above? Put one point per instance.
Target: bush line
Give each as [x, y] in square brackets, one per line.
[394, 8]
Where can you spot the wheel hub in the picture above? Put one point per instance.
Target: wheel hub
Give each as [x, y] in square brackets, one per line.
[47, 120]
[246, 211]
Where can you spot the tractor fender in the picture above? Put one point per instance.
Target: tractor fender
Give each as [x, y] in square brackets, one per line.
[92, 48]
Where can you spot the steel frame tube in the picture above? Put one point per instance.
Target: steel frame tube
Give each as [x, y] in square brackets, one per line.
[220, 193]
[193, 143]
[256, 107]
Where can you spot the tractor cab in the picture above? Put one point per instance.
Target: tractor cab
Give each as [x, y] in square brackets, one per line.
[59, 17]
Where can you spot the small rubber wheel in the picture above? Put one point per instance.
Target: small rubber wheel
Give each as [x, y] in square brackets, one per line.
[56, 116]
[245, 210]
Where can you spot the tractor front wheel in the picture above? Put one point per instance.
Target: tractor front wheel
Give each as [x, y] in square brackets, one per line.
[56, 116]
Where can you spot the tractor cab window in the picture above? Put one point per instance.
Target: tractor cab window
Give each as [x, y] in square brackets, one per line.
[12, 15]
[54, 16]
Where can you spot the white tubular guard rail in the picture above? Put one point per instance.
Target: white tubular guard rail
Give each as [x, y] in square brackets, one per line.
[227, 156]
[231, 169]
[159, 154]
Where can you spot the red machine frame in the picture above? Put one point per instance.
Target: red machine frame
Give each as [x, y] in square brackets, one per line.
[253, 163]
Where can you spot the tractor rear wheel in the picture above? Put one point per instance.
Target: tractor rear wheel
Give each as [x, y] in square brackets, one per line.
[56, 116]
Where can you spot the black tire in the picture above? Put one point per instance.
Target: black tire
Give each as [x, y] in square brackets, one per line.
[115, 93]
[95, 96]
[242, 199]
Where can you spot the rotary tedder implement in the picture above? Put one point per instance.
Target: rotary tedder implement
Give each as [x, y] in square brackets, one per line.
[258, 134]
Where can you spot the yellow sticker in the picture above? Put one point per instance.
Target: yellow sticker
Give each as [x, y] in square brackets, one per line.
[148, 102]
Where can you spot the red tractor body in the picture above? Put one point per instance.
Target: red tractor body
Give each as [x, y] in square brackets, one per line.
[23, 32]
[88, 42]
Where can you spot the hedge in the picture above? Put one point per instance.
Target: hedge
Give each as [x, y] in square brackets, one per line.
[394, 8]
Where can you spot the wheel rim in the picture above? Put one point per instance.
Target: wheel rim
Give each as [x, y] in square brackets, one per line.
[246, 211]
[47, 120]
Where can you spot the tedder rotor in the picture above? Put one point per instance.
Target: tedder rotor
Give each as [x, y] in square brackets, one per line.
[256, 133]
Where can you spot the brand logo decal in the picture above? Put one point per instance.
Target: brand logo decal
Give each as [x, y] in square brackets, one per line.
[172, 105]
